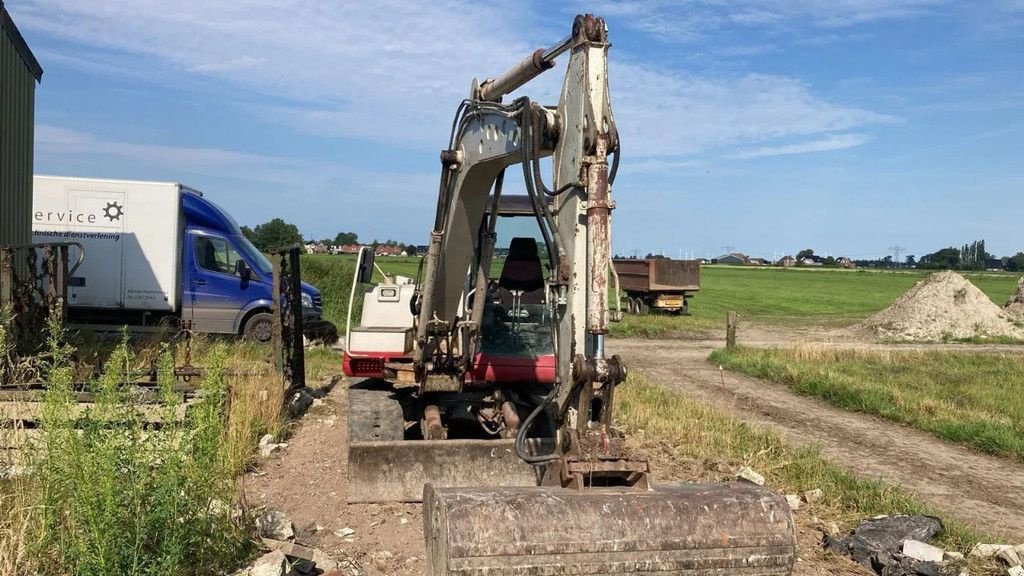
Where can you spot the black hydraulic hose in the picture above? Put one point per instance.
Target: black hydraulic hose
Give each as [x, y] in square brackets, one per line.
[615, 166]
[525, 427]
[540, 208]
[538, 180]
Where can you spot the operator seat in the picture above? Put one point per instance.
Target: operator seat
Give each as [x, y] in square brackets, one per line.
[522, 273]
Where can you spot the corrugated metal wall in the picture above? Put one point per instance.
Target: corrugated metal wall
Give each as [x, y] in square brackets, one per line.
[17, 122]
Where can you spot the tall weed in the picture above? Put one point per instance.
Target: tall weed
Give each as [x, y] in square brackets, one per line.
[121, 495]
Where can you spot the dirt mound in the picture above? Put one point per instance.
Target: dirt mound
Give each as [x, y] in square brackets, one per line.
[943, 306]
[1015, 305]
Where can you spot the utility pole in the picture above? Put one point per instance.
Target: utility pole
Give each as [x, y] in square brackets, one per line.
[897, 251]
[728, 249]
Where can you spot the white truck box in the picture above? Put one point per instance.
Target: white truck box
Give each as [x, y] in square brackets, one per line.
[131, 231]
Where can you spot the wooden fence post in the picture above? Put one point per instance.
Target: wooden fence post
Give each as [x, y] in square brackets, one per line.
[731, 319]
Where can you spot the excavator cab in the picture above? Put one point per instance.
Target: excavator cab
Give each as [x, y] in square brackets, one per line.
[517, 319]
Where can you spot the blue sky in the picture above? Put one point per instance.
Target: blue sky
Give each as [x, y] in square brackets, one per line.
[847, 126]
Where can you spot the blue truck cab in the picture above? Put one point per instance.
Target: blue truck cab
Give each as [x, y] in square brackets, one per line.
[227, 284]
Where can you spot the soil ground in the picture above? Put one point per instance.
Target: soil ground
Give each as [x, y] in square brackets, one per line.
[307, 480]
[977, 488]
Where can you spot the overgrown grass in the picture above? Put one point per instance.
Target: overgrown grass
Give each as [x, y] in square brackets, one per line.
[972, 399]
[127, 487]
[794, 297]
[774, 296]
[686, 440]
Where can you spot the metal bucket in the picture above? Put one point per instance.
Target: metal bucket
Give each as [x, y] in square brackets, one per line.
[734, 529]
[397, 470]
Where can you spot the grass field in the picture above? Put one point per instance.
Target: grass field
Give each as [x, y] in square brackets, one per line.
[780, 296]
[974, 399]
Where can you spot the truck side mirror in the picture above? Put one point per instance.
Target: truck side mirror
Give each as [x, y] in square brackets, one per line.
[364, 265]
[242, 270]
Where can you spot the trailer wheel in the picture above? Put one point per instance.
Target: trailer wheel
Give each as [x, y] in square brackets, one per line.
[259, 327]
[642, 307]
[631, 305]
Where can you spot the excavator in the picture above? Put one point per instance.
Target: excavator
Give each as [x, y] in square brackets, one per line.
[487, 392]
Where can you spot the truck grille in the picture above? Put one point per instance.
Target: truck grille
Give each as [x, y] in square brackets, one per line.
[318, 301]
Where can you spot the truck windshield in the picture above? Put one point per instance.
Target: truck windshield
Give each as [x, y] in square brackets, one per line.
[253, 255]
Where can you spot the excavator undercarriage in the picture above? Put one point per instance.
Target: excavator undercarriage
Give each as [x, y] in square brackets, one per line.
[488, 393]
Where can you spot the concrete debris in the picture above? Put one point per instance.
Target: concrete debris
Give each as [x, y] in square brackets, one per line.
[812, 496]
[877, 543]
[1015, 305]
[267, 445]
[270, 564]
[951, 556]
[344, 532]
[986, 550]
[750, 475]
[1015, 571]
[304, 559]
[922, 551]
[275, 525]
[794, 501]
[1009, 556]
[944, 306]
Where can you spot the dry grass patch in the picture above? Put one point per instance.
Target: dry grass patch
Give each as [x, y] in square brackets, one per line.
[686, 440]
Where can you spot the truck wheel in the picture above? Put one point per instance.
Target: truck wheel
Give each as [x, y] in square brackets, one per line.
[631, 305]
[259, 327]
[642, 308]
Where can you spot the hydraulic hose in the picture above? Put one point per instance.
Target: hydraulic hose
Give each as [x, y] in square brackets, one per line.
[525, 427]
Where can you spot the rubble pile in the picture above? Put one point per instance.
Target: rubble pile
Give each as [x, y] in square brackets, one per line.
[944, 306]
[1015, 305]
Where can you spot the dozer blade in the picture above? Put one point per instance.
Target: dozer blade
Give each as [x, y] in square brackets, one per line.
[397, 470]
[719, 529]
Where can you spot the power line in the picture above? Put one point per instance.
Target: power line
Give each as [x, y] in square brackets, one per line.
[897, 251]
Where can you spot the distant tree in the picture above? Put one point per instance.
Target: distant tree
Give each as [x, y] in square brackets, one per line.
[1015, 263]
[249, 234]
[830, 261]
[344, 238]
[274, 234]
[910, 261]
[947, 258]
[805, 253]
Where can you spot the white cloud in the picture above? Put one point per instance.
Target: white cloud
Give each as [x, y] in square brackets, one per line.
[55, 140]
[393, 73]
[383, 70]
[673, 114]
[827, 144]
[692, 20]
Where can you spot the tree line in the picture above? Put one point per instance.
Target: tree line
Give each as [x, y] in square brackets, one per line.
[278, 234]
[971, 256]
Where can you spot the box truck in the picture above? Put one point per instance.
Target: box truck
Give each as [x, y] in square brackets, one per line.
[156, 251]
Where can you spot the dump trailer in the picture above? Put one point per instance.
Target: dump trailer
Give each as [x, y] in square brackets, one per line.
[487, 390]
[658, 284]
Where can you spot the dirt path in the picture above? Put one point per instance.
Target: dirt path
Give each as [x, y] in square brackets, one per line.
[985, 490]
[307, 481]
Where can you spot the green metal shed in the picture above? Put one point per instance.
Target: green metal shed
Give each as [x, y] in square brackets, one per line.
[19, 73]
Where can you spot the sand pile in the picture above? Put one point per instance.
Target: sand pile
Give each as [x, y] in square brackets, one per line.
[1015, 305]
[943, 306]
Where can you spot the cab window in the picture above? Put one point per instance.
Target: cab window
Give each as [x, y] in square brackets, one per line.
[215, 255]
